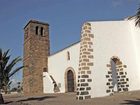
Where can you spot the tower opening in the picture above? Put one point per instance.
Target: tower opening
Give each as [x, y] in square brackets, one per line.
[41, 31]
[36, 30]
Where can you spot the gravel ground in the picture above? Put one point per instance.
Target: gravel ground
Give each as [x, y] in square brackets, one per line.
[126, 98]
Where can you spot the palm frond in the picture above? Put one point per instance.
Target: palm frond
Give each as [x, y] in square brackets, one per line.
[12, 64]
[5, 61]
[5, 53]
[6, 68]
[0, 53]
[136, 17]
[9, 83]
[14, 71]
[137, 22]
[131, 17]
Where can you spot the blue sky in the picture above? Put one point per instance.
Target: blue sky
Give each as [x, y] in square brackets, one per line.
[64, 16]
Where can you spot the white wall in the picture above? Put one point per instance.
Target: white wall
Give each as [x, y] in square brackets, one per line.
[58, 63]
[113, 38]
[135, 30]
[48, 85]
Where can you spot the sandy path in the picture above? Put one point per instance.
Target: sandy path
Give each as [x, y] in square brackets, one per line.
[127, 98]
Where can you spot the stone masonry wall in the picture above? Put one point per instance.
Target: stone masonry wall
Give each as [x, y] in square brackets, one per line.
[36, 51]
[85, 63]
[123, 81]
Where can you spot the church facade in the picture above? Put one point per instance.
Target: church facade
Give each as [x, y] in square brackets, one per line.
[105, 60]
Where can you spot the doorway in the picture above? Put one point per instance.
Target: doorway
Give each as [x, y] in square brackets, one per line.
[70, 81]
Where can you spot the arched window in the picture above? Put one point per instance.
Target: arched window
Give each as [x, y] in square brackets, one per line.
[114, 63]
[36, 30]
[41, 31]
[68, 55]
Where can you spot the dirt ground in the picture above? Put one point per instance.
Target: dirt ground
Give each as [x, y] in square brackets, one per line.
[126, 98]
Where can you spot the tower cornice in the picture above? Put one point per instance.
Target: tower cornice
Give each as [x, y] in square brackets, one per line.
[35, 21]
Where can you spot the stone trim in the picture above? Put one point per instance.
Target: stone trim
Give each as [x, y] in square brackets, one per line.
[65, 78]
[85, 63]
[122, 79]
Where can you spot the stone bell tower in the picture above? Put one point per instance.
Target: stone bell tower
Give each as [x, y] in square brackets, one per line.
[36, 52]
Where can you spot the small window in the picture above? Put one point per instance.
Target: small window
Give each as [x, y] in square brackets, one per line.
[41, 31]
[36, 30]
[68, 55]
[45, 70]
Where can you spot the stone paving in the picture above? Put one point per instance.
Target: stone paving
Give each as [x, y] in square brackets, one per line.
[126, 98]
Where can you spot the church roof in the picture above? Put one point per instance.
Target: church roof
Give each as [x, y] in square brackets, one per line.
[65, 48]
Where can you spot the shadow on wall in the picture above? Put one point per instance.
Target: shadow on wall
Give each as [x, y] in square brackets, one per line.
[131, 102]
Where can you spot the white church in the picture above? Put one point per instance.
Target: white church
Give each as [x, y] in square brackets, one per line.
[105, 61]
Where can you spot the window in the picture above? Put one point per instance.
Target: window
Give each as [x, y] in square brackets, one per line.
[45, 70]
[68, 55]
[36, 30]
[41, 31]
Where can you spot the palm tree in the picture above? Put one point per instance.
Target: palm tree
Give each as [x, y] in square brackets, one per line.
[6, 86]
[136, 17]
[7, 71]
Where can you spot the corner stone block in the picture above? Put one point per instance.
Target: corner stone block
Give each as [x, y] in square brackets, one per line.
[86, 57]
